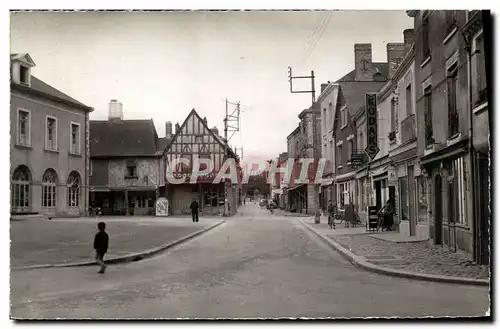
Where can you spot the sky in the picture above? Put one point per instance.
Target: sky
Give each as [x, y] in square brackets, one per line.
[161, 65]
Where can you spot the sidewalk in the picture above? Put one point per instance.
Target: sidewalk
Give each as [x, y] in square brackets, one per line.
[68, 241]
[393, 254]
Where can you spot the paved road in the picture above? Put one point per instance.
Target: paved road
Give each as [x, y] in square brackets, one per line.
[255, 265]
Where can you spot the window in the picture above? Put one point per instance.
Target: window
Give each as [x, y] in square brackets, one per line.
[451, 20]
[349, 149]
[422, 208]
[297, 149]
[91, 166]
[343, 117]
[49, 184]
[51, 134]
[131, 169]
[74, 189]
[20, 189]
[361, 141]
[324, 120]
[426, 49]
[330, 115]
[331, 150]
[409, 107]
[429, 134]
[339, 155]
[393, 115]
[75, 138]
[480, 69]
[23, 127]
[456, 189]
[24, 75]
[452, 101]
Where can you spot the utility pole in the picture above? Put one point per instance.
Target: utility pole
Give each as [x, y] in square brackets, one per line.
[231, 124]
[314, 131]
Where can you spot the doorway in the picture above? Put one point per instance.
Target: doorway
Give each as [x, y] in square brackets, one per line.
[378, 194]
[411, 201]
[438, 211]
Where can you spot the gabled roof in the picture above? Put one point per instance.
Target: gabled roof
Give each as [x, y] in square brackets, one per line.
[23, 57]
[42, 89]
[216, 137]
[123, 138]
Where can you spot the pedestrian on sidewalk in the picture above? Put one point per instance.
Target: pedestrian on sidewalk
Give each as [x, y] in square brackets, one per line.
[101, 243]
[194, 210]
[387, 212]
[331, 214]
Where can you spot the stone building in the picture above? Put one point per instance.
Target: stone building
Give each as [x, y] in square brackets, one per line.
[327, 101]
[125, 165]
[48, 146]
[478, 59]
[194, 138]
[367, 77]
[449, 92]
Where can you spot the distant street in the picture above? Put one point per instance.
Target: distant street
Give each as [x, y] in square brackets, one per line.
[254, 265]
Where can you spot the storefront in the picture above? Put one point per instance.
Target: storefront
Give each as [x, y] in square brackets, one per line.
[297, 198]
[450, 221]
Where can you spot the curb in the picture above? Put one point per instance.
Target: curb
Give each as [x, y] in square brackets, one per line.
[357, 261]
[126, 258]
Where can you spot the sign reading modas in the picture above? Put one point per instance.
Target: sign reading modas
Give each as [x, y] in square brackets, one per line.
[372, 148]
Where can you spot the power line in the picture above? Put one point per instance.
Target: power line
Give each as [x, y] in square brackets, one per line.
[319, 35]
[310, 37]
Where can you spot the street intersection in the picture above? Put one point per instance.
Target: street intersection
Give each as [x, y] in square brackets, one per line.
[256, 265]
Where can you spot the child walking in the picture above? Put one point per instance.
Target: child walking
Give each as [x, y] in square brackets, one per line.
[101, 242]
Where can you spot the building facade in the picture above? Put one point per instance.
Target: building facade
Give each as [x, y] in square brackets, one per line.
[327, 102]
[476, 30]
[444, 113]
[367, 77]
[49, 146]
[194, 138]
[125, 165]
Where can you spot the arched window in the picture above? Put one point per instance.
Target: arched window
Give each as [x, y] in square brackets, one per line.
[49, 183]
[20, 188]
[74, 189]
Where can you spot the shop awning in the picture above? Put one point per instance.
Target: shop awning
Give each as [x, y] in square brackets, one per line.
[295, 187]
[99, 189]
[327, 182]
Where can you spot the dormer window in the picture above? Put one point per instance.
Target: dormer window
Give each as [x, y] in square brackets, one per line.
[24, 75]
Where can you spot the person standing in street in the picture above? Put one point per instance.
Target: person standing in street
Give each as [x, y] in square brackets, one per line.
[194, 210]
[331, 214]
[101, 243]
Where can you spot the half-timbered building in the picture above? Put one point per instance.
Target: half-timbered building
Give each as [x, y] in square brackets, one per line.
[194, 138]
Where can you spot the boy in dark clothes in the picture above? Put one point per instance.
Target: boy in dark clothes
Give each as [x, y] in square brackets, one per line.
[194, 210]
[101, 242]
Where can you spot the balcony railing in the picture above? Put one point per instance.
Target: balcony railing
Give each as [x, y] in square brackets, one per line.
[452, 123]
[408, 129]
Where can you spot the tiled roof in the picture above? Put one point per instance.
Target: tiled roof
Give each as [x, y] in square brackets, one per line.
[354, 93]
[45, 90]
[162, 144]
[41, 86]
[382, 68]
[123, 138]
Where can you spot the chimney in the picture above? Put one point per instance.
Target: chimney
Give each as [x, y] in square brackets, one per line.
[409, 38]
[395, 54]
[363, 61]
[215, 131]
[168, 129]
[177, 127]
[115, 110]
[323, 87]
[205, 120]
